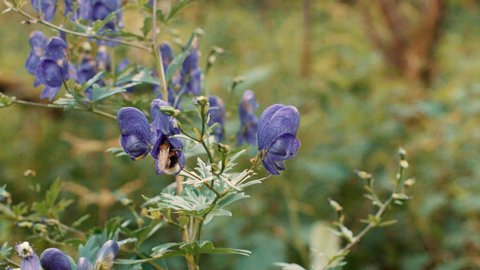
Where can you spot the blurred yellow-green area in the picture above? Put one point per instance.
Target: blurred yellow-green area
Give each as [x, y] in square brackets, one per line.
[368, 77]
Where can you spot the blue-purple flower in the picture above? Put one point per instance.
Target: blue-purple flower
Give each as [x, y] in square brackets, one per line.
[94, 10]
[106, 255]
[138, 137]
[217, 116]
[48, 62]
[46, 7]
[277, 136]
[247, 111]
[191, 74]
[54, 259]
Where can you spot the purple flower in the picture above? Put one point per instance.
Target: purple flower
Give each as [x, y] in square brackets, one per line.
[107, 255]
[247, 110]
[138, 137]
[277, 135]
[174, 95]
[48, 62]
[94, 10]
[191, 73]
[217, 116]
[167, 151]
[46, 7]
[54, 259]
[38, 43]
[29, 260]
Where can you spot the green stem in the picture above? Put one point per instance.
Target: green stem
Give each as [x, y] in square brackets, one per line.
[55, 106]
[378, 216]
[156, 54]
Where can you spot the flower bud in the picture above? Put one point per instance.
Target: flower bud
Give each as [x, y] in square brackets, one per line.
[54, 259]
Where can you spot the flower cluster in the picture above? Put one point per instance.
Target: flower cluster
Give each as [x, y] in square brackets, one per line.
[48, 62]
[55, 259]
[188, 79]
[138, 137]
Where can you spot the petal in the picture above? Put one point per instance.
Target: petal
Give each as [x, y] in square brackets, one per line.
[160, 121]
[32, 63]
[56, 48]
[284, 147]
[167, 54]
[50, 73]
[37, 40]
[135, 132]
[54, 259]
[49, 92]
[107, 255]
[275, 121]
[217, 115]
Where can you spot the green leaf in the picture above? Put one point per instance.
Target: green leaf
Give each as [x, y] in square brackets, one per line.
[175, 9]
[147, 26]
[100, 93]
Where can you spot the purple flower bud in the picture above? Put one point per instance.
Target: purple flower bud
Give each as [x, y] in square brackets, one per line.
[277, 135]
[107, 255]
[46, 7]
[54, 259]
[167, 54]
[135, 132]
[29, 260]
[247, 110]
[191, 73]
[217, 115]
[38, 42]
[84, 264]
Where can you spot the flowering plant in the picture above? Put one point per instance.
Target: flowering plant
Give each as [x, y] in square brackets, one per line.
[178, 123]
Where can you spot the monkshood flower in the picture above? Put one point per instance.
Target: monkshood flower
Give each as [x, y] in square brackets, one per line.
[247, 111]
[54, 259]
[107, 255]
[46, 7]
[138, 137]
[29, 260]
[94, 10]
[217, 116]
[174, 96]
[191, 75]
[277, 136]
[47, 61]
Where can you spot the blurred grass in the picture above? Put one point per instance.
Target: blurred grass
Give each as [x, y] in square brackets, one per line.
[355, 113]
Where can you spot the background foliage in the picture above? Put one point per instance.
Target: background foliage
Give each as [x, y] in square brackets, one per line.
[356, 107]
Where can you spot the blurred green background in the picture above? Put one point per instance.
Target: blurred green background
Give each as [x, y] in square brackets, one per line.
[367, 77]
